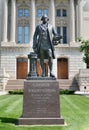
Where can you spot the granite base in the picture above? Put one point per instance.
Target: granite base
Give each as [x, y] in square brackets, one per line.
[41, 103]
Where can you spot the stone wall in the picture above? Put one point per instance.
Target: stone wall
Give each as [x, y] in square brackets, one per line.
[10, 54]
[3, 79]
[74, 56]
[9, 59]
[84, 79]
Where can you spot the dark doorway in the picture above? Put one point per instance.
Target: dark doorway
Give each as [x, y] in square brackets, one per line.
[22, 68]
[62, 65]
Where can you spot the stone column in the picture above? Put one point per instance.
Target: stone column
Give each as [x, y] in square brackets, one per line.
[52, 13]
[5, 21]
[13, 20]
[32, 25]
[80, 18]
[72, 21]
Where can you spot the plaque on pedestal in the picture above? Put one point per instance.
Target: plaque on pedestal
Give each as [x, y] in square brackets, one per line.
[41, 103]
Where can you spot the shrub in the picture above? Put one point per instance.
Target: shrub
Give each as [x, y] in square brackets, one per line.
[66, 91]
[85, 48]
[16, 92]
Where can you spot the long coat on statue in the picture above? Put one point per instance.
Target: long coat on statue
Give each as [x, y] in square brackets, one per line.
[37, 39]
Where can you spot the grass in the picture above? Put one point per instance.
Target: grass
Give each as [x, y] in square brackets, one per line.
[74, 109]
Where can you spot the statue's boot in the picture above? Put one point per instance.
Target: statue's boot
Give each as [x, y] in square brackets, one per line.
[52, 75]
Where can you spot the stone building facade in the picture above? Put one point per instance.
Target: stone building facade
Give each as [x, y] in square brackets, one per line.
[18, 19]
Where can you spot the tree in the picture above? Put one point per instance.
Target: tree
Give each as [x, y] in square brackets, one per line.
[85, 48]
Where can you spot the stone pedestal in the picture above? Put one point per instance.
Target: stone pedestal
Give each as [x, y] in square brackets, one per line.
[41, 105]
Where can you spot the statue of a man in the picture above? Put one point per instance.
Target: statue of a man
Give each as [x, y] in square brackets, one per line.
[43, 44]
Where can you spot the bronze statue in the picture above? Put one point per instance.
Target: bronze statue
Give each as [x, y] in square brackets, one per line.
[45, 37]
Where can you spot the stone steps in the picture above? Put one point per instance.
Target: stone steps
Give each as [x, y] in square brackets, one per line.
[68, 84]
[15, 84]
[63, 83]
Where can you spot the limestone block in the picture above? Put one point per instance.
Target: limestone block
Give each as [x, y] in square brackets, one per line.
[84, 79]
[3, 79]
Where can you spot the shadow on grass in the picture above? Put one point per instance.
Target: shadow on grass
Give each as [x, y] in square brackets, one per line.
[9, 120]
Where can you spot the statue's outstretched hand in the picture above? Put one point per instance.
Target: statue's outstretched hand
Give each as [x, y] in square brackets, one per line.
[56, 40]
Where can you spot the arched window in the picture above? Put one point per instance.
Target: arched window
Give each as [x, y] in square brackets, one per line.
[23, 28]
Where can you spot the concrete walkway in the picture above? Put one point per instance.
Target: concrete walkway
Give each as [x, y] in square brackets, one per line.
[84, 93]
[3, 92]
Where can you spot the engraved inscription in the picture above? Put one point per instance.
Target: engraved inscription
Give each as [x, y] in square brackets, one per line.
[40, 85]
[41, 90]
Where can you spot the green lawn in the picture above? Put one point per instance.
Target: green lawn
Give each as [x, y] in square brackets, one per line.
[74, 109]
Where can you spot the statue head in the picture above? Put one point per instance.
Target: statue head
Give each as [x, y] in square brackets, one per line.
[44, 18]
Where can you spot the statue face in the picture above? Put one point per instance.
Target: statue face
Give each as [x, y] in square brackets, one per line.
[45, 20]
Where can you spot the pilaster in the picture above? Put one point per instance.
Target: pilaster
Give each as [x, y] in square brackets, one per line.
[80, 18]
[5, 21]
[13, 20]
[52, 12]
[32, 25]
[72, 22]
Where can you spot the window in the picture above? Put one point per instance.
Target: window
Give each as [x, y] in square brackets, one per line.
[20, 30]
[20, 12]
[64, 35]
[59, 30]
[64, 13]
[62, 31]
[45, 12]
[41, 12]
[26, 12]
[23, 23]
[23, 12]
[61, 12]
[26, 34]
[23, 34]
[58, 12]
